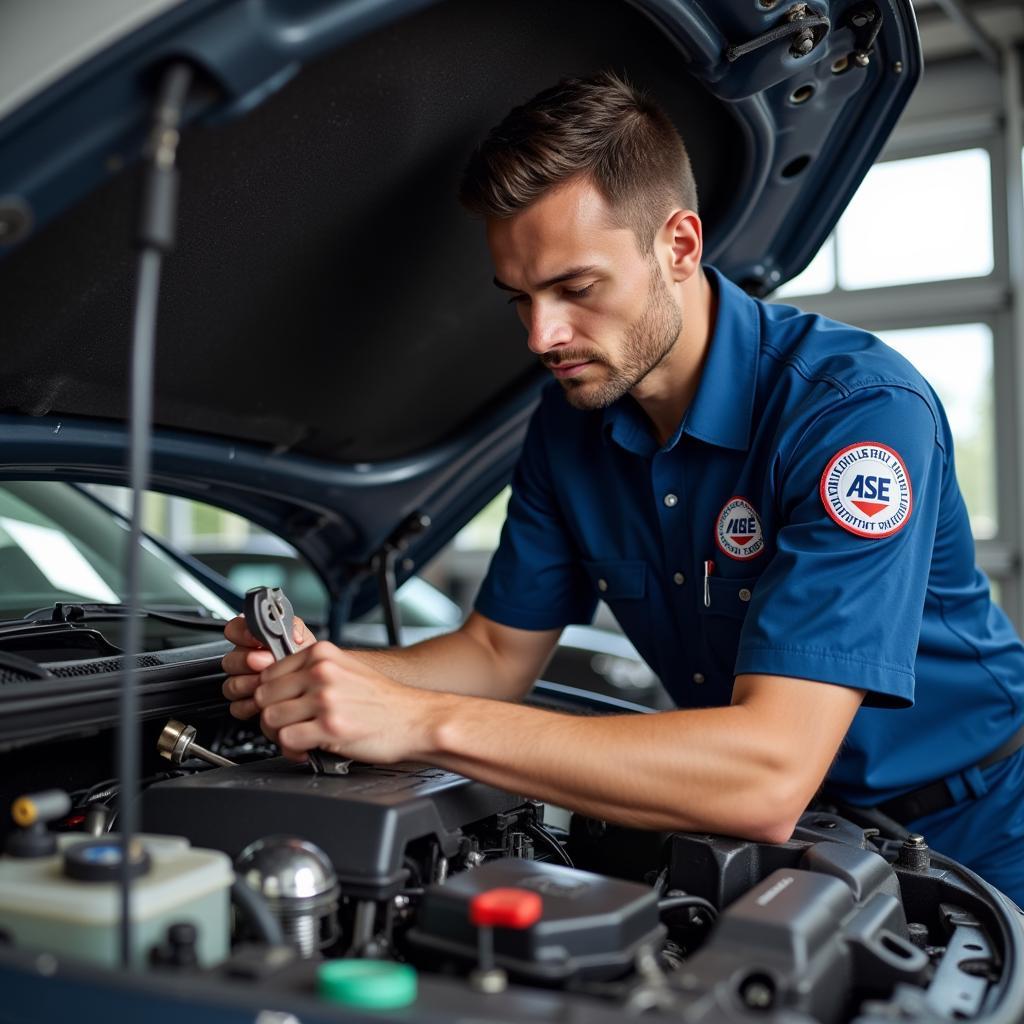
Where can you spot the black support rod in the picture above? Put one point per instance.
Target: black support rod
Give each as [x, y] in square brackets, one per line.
[156, 236]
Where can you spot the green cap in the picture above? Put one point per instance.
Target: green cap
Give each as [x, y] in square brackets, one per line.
[367, 984]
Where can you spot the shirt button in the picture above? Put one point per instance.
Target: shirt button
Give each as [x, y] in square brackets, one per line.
[602, 585]
[671, 500]
[679, 579]
[744, 594]
[698, 678]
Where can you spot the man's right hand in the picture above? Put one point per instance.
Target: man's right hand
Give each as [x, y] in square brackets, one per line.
[244, 664]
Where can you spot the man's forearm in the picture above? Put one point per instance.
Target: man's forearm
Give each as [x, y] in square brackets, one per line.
[710, 769]
[453, 663]
[748, 769]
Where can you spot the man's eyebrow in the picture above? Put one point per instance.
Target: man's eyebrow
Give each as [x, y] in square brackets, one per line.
[568, 275]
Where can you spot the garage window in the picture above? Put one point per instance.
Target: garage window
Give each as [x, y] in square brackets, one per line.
[956, 359]
[924, 219]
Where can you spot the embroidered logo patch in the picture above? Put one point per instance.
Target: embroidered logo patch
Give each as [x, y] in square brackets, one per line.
[866, 489]
[739, 530]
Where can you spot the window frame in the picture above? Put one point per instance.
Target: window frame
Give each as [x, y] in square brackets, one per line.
[996, 300]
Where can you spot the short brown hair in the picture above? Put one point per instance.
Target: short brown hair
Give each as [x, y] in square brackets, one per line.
[602, 128]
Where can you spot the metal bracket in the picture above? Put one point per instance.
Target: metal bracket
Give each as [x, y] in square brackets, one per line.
[382, 565]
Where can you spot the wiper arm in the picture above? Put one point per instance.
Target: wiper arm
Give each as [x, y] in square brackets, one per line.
[66, 612]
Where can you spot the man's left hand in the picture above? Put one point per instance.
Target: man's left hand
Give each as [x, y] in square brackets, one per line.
[324, 697]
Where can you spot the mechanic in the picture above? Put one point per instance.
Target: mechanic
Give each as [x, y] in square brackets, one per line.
[765, 498]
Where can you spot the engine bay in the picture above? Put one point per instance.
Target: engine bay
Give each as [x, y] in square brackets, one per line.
[259, 881]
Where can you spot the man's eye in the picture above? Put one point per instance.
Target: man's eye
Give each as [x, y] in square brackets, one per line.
[578, 294]
[516, 299]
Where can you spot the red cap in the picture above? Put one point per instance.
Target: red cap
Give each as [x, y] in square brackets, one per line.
[505, 908]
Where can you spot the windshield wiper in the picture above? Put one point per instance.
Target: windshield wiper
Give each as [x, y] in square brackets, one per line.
[66, 612]
[23, 666]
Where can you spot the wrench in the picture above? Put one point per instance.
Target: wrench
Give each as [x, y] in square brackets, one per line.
[269, 616]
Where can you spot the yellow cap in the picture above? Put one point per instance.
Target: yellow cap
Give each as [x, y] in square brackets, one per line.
[24, 812]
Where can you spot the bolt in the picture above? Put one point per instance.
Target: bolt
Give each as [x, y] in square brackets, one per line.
[918, 934]
[861, 58]
[914, 854]
[862, 18]
[401, 902]
[803, 45]
[474, 859]
[897, 67]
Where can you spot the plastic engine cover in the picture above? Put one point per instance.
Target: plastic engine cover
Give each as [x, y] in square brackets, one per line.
[591, 926]
[363, 821]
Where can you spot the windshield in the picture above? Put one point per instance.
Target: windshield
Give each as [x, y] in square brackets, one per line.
[58, 544]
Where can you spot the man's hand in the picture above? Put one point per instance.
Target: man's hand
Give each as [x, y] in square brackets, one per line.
[324, 697]
[244, 664]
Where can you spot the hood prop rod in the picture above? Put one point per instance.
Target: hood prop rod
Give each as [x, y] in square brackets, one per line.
[156, 237]
[382, 565]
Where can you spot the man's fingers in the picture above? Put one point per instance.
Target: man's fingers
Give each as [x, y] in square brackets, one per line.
[302, 736]
[303, 637]
[239, 687]
[238, 633]
[318, 651]
[293, 663]
[241, 661]
[275, 691]
[287, 712]
[243, 709]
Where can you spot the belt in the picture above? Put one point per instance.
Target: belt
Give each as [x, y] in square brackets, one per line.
[936, 795]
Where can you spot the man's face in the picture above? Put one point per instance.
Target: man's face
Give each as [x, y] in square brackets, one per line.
[597, 310]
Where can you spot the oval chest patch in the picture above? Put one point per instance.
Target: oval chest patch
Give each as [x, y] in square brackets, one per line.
[738, 531]
[866, 489]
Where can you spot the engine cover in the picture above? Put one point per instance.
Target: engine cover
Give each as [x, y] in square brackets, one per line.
[591, 926]
[364, 821]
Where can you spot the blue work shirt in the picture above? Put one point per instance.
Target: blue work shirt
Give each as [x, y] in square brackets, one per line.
[803, 520]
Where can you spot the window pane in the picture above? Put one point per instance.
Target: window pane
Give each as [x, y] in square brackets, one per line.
[925, 219]
[818, 277]
[481, 533]
[243, 553]
[957, 361]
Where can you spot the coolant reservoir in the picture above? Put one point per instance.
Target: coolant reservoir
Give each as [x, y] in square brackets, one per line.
[43, 908]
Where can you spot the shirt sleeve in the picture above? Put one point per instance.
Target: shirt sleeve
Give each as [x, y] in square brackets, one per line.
[842, 598]
[536, 579]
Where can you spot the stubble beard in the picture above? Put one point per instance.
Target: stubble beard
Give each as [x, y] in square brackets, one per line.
[647, 342]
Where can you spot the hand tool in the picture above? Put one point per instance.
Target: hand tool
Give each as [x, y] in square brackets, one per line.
[177, 744]
[270, 618]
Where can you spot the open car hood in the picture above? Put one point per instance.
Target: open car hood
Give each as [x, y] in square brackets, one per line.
[331, 357]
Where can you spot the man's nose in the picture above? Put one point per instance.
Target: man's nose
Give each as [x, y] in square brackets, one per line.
[547, 330]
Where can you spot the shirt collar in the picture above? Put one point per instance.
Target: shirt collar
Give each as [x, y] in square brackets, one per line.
[722, 408]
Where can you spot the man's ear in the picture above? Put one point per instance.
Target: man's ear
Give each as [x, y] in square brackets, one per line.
[682, 237]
